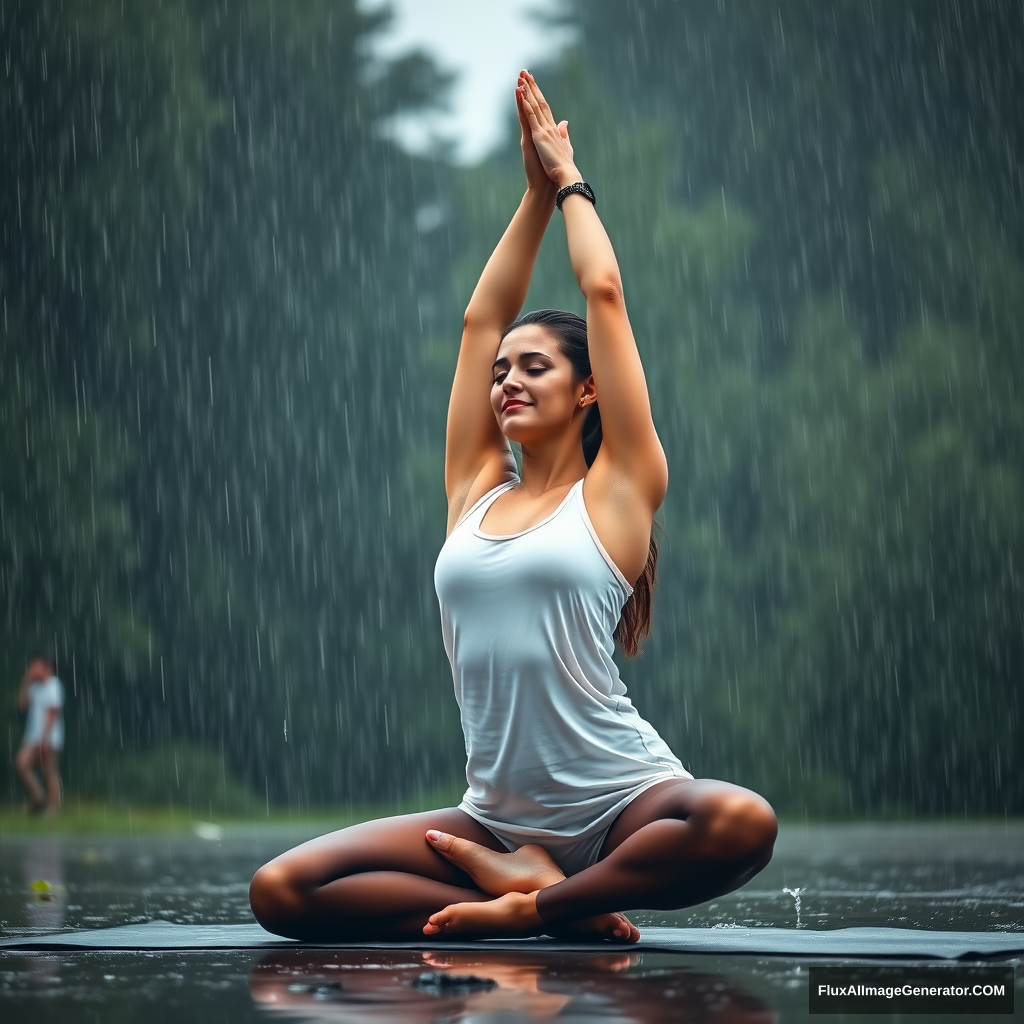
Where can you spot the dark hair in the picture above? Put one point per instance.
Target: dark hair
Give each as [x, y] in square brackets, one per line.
[570, 331]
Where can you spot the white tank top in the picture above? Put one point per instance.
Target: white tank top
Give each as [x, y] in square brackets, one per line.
[552, 741]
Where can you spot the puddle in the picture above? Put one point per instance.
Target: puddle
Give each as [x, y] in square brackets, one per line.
[931, 876]
[409, 986]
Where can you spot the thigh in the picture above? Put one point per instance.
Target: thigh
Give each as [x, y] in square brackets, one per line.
[27, 756]
[673, 798]
[396, 843]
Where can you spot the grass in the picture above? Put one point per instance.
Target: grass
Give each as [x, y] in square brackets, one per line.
[85, 817]
[90, 817]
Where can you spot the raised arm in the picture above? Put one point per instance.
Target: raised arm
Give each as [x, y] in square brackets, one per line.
[630, 442]
[474, 442]
[26, 681]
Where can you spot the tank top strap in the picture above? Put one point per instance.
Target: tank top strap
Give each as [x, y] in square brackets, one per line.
[581, 504]
[485, 501]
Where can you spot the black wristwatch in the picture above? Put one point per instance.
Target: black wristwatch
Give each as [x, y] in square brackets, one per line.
[577, 186]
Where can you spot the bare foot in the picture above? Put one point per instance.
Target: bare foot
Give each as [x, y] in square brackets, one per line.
[612, 927]
[511, 916]
[524, 870]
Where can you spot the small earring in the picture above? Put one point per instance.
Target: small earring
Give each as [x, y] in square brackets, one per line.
[583, 402]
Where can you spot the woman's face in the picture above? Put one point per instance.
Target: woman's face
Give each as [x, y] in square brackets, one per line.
[532, 391]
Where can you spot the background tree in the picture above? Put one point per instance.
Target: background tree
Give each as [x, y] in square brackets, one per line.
[231, 309]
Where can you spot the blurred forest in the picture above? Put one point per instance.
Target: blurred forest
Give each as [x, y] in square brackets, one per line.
[231, 312]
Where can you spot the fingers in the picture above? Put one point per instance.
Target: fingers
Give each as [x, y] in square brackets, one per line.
[532, 117]
[525, 125]
[534, 100]
[524, 121]
[538, 97]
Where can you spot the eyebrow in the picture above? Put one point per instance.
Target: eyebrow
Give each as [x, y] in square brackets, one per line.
[526, 355]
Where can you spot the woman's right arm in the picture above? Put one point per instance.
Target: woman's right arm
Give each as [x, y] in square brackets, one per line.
[26, 682]
[474, 442]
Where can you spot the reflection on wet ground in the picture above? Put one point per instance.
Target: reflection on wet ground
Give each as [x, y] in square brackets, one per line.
[468, 986]
[409, 986]
[406, 987]
[959, 877]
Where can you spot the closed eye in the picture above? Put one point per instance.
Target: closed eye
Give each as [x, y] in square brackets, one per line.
[532, 370]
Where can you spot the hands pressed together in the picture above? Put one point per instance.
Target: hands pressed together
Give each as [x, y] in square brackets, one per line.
[547, 151]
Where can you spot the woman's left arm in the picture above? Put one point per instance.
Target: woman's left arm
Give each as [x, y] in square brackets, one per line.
[629, 438]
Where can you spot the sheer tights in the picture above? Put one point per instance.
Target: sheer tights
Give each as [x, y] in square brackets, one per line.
[679, 843]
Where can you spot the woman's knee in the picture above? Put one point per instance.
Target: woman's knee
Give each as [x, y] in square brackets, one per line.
[274, 895]
[737, 825]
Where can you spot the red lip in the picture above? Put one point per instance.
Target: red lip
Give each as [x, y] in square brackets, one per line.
[512, 403]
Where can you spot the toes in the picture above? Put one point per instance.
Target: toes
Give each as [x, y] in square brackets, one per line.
[445, 844]
[452, 847]
[438, 922]
[625, 930]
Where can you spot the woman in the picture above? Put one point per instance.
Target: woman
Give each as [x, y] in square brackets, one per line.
[577, 809]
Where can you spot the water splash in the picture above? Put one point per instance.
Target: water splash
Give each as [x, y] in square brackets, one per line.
[795, 893]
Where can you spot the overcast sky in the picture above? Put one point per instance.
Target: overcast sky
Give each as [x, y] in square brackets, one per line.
[487, 42]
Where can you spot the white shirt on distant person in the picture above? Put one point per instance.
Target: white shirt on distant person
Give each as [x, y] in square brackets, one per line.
[41, 697]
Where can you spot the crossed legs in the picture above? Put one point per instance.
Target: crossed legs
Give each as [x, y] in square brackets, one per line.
[678, 844]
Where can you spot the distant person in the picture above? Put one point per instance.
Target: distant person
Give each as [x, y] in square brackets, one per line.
[576, 809]
[42, 697]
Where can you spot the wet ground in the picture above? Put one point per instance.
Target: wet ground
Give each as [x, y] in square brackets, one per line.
[963, 877]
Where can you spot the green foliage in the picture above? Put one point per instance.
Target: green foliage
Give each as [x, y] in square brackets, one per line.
[181, 776]
[207, 226]
[837, 623]
[68, 562]
[227, 351]
[105, 113]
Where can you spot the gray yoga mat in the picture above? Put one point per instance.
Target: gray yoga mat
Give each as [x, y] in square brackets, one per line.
[846, 942]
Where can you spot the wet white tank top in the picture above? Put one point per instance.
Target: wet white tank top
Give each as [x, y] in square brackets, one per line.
[554, 746]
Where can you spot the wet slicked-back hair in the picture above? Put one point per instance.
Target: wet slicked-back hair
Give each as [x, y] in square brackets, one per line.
[570, 331]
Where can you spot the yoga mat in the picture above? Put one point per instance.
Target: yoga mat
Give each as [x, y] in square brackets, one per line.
[846, 942]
